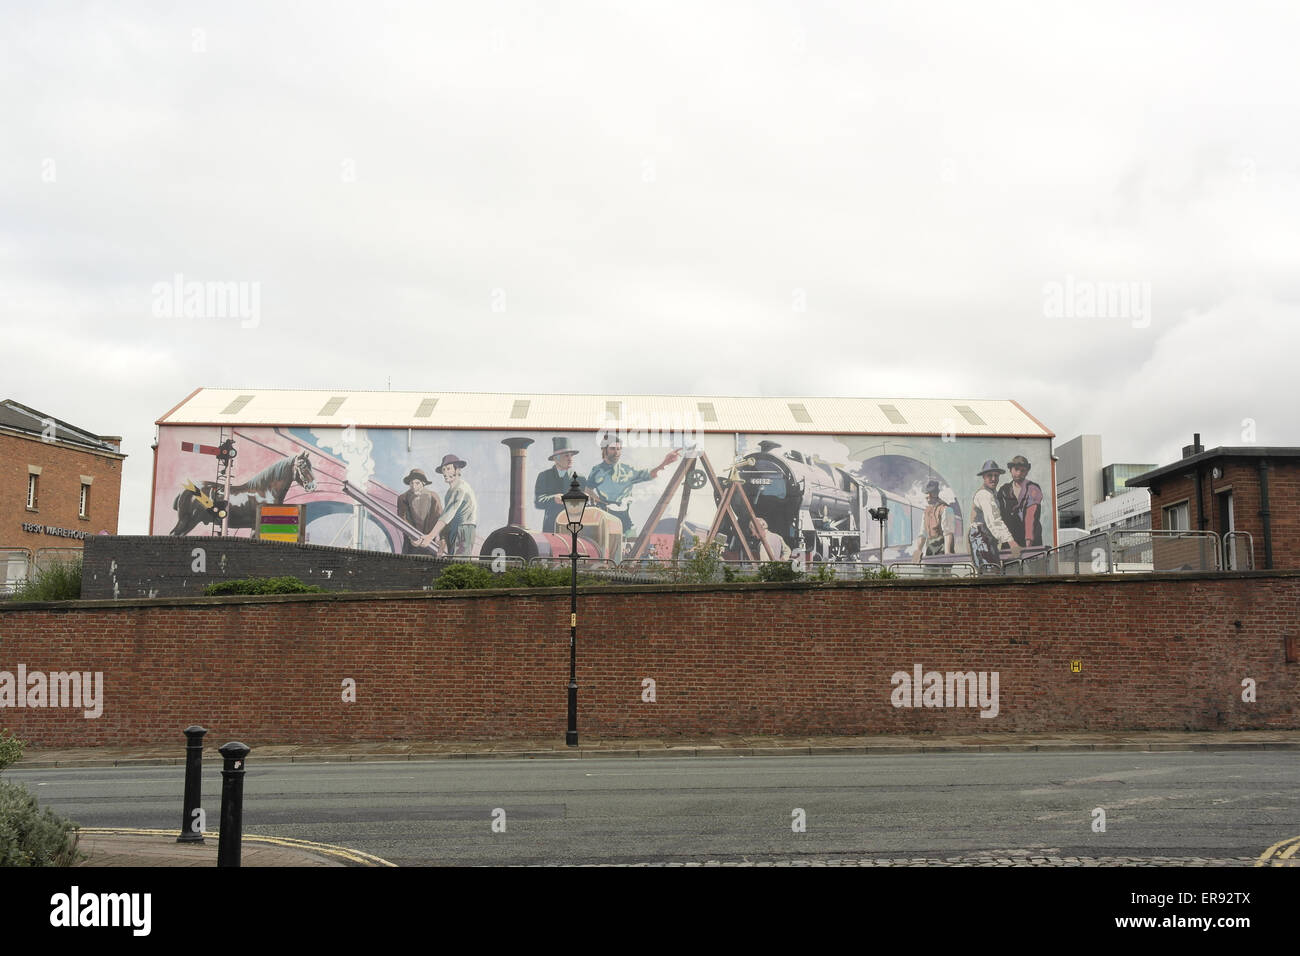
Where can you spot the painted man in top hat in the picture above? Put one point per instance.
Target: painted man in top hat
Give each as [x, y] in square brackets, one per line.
[554, 482]
[937, 525]
[1021, 501]
[459, 510]
[988, 532]
[418, 506]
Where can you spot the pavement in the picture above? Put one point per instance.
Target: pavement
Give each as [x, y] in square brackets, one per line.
[152, 848]
[124, 847]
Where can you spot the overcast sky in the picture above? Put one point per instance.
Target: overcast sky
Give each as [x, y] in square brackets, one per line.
[854, 199]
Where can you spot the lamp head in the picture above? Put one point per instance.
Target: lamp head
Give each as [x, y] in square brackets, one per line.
[575, 502]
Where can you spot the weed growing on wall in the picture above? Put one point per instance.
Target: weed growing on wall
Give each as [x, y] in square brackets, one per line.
[60, 581]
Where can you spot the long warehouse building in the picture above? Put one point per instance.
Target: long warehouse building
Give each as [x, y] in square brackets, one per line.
[483, 474]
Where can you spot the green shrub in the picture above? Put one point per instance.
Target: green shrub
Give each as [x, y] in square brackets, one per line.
[824, 574]
[11, 748]
[534, 576]
[461, 577]
[778, 571]
[60, 581]
[879, 574]
[703, 564]
[30, 836]
[262, 586]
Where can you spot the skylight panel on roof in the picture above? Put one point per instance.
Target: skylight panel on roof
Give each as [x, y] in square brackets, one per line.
[968, 413]
[520, 409]
[237, 405]
[707, 412]
[426, 408]
[332, 406]
[800, 413]
[893, 414]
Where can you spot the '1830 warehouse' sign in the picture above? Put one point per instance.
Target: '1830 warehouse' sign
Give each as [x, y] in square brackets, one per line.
[57, 532]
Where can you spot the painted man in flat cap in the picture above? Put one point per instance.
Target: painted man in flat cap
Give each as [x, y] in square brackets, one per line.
[459, 510]
[1021, 502]
[611, 479]
[418, 506]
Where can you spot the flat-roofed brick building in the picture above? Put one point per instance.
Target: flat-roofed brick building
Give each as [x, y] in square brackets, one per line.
[1250, 489]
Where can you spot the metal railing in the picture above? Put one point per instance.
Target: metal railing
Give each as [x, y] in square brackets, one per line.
[1124, 550]
[914, 569]
[498, 563]
[1232, 554]
[585, 564]
[653, 570]
[43, 558]
[1116, 551]
[15, 565]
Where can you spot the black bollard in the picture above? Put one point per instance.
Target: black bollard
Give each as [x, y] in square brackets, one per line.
[232, 803]
[193, 785]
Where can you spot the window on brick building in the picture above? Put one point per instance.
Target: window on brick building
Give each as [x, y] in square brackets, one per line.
[85, 501]
[31, 492]
[1175, 517]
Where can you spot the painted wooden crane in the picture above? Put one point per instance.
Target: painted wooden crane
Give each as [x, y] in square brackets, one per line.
[689, 477]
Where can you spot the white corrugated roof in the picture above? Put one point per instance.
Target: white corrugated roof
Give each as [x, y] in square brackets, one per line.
[323, 408]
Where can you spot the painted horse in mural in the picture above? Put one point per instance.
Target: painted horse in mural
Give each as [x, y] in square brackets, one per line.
[268, 487]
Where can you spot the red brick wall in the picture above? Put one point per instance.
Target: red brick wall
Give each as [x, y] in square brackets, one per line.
[58, 492]
[1241, 476]
[1156, 652]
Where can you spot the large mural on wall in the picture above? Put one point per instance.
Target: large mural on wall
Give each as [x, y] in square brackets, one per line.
[767, 497]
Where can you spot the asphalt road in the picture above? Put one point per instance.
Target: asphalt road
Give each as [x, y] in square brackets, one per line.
[1186, 805]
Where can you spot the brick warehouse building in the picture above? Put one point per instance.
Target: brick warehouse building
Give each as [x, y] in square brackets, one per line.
[58, 483]
[1247, 489]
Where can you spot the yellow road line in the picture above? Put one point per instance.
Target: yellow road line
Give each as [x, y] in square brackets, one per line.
[1267, 857]
[330, 849]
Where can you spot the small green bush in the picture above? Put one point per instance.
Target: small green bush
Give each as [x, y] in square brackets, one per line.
[262, 586]
[703, 564]
[778, 571]
[879, 574]
[824, 574]
[30, 836]
[462, 577]
[534, 576]
[472, 577]
[11, 749]
[60, 581]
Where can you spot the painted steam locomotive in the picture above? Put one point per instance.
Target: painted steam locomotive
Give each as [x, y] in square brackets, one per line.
[823, 510]
[818, 508]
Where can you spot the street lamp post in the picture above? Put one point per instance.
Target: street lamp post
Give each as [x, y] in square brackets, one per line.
[575, 503]
[881, 514]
